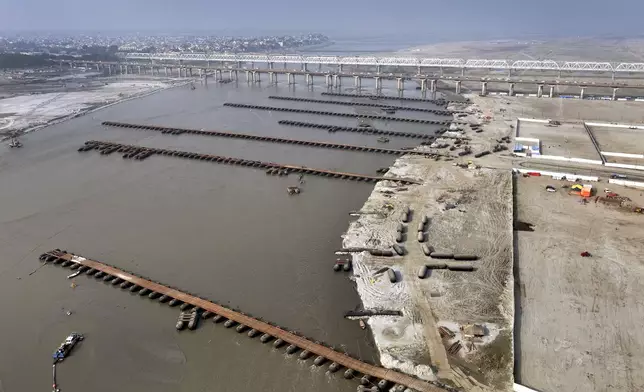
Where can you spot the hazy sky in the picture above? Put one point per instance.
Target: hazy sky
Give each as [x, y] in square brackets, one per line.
[444, 19]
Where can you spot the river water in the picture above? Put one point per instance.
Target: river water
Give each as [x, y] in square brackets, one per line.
[227, 233]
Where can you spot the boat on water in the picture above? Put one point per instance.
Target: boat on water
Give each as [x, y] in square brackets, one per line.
[363, 325]
[66, 347]
[15, 143]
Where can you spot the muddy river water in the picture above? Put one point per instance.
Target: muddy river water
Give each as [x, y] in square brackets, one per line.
[228, 233]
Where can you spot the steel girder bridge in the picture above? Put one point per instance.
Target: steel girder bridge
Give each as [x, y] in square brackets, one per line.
[536, 65]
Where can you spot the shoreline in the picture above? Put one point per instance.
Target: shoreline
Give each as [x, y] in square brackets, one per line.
[411, 343]
[91, 109]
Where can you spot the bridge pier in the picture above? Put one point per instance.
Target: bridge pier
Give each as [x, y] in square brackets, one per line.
[615, 94]
[339, 68]
[257, 77]
[232, 75]
[458, 87]
[270, 65]
[432, 85]
[139, 70]
[219, 74]
[423, 85]
[247, 76]
[581, 94]
[511, 89]
[305, 67]
[484, 88]
[378, 83]
[166, 71]
[309, 79]
[400, 84]
[328, 80]
[337, 80]
[357, 81]
[290, 78]
[540, 91]
[552, 91]
[378, 68]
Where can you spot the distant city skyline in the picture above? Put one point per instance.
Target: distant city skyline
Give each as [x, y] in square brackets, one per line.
[430, 20]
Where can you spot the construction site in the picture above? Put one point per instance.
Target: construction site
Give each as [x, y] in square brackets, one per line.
[497, 251]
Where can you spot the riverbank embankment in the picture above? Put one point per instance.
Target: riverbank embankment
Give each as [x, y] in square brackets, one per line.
[456, 325]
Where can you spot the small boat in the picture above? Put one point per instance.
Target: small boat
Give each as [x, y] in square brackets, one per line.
[15, 143]
[75, 274]
[389, 110]
[293, 190]
[66, 347]
[383, 140]
[363, 325]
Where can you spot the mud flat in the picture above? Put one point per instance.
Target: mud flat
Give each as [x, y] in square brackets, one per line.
[31, 112]
[469, 211]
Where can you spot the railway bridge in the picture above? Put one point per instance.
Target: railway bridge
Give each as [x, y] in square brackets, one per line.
[426, 72]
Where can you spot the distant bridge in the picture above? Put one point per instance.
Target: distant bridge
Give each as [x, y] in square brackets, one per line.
[536, 65]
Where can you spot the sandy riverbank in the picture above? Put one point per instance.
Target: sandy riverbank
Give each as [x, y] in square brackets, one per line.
[469, 211]
[27, 113]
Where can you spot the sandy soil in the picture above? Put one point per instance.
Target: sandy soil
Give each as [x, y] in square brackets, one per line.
[551, 336]
[628, 141]
[577, 318]
[29, 112]
[453, 299]
[579, 326]
[568, 140]
[589, 49]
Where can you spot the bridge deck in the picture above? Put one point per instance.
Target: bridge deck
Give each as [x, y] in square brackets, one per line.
[289, 337]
